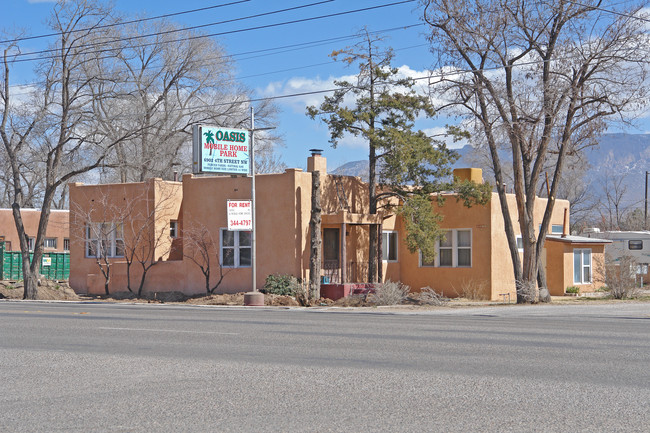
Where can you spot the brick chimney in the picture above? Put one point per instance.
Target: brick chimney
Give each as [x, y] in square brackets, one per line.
[317, 162]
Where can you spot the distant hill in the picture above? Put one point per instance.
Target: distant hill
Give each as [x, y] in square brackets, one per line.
[617, 154]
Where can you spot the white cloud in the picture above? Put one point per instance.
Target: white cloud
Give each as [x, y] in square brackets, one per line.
[440, 133]
[307, 87]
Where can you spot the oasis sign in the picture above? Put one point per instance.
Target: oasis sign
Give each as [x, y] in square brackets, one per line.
[220, 150]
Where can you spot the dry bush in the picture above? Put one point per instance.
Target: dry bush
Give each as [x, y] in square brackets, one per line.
[527, 290]
[351, 301]
[620, 277]
[428, 296]
[471, 289]
[301, 293]
[389, 293]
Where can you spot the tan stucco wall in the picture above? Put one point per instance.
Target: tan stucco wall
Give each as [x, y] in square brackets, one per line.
[452, 282]
[283, 235]
[57, 227]
[560, 267]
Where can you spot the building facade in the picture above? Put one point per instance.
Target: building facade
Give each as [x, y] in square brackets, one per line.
[164, 221]
[57, 238]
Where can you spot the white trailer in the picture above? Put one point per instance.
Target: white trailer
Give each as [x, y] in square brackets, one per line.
[625, 244]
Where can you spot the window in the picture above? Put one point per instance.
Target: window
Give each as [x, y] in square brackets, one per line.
[520, 244]
[453, 250]
[66, 244]
[30, 243]
[50, 243]
[389, 246]
[173, 229]
[236, 248]
[582, 266]
[555, 228]
[104, 240]
[635, 244]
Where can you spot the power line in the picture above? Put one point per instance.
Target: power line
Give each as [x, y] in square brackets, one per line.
[278, 50]
[335, 14]
[182, 29]
[121, 23]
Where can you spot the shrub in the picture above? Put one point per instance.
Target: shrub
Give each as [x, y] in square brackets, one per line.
[281, 284]
[472, 289]
[428, 296]
[572, 289]
[389, 293]
[527, 290]
[620, 277]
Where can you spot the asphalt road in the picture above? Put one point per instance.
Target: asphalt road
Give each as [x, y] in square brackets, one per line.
[153, 368]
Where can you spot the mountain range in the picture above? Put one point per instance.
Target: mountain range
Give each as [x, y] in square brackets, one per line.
[621, 156]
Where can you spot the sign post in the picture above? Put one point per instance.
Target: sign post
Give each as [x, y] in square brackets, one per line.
[231, 151]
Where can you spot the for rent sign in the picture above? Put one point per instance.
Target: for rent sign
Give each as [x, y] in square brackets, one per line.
[240, 215]
[221, 150]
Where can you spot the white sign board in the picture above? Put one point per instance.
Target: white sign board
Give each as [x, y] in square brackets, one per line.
[240, 215]
[221, 150]
[47, 261]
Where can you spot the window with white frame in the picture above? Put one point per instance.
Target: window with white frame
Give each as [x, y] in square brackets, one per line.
[173, 229]
[105, 239]
[453, 250]
[66, 244]
[520, 244]
[236, 249]
[50, 243]
[30, 243]
[389, 246]
[582, 266]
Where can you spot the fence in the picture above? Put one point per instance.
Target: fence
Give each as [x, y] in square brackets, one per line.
[54, 266]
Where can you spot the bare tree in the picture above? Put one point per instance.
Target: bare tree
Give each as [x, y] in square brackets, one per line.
[174, 78]
[59, 129]
[543, 78]
[613, 206]
[146, 233]
[200, 247]
[96, 227]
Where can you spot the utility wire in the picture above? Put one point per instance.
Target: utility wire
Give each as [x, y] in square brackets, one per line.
[182, 29]
[121, 23]
[335, 14]
[273, 51]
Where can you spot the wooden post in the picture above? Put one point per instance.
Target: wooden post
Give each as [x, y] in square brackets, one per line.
[344, 272]
[380, 254]
[316, 241]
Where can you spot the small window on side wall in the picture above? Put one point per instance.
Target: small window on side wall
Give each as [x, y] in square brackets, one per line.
[635, 244]
[173, 229]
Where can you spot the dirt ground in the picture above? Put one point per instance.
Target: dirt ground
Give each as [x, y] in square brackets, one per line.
[61, 291]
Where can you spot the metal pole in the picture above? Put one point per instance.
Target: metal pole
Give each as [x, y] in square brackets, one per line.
[645, 216]
[253, 236]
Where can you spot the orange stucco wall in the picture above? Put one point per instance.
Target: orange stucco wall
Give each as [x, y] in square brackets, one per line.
[560, 261]
[283, 234]
[57, 227]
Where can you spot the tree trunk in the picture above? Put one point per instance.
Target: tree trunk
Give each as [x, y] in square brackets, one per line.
[544, 294]
[30, 281]
[372, 194]
[316, 242]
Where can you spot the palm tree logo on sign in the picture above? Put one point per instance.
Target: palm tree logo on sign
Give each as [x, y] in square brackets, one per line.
[209, 139]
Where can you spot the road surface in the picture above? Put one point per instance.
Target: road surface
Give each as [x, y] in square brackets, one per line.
[67, 367]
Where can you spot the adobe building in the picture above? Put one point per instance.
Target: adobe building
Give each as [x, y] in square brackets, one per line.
[57, 238]
[474, 256]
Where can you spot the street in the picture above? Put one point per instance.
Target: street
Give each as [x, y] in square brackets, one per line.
[96, 367]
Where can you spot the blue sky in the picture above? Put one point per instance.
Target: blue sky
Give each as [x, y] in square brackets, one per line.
[282, 71]
[292, 70]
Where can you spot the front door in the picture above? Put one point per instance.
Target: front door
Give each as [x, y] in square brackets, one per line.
[331, 265]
